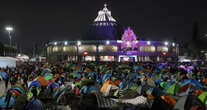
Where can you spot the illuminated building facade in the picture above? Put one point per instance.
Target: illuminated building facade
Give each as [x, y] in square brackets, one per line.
[108, 48]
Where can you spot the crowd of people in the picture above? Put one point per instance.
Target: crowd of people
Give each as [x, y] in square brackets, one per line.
[105, 85]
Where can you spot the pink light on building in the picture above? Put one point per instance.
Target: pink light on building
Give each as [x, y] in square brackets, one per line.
[129, 39]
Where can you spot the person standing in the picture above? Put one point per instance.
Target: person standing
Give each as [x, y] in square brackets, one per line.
[25, 78]
[6, 80]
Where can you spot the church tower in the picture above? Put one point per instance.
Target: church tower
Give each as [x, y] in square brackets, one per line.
[104, 27]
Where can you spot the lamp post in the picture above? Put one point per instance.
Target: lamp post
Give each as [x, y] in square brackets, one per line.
[78, 45]
[9, 29]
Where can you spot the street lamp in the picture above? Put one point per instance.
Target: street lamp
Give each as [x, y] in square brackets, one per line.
[79, 43]
[173, 44]
[148, 43]
[166, 43]
[66, 43]
[107, 42]
[9, 29]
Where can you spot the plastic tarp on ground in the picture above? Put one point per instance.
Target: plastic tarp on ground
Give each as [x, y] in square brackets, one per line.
[7, 62]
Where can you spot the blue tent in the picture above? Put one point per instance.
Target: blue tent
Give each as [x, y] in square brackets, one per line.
[84, 90]
[93, 89]
[34, 104]
[138, 67]
[53, 85]
[184, 82]
[105, 76]
[35, 83]
[195, 82]
[3, 103]
[3, 75]
[93, 74]
[18, 89]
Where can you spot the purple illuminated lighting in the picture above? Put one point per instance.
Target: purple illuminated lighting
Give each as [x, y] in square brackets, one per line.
[129, 39]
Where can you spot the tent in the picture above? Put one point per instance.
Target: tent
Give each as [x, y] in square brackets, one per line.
[3, 75]
[53, 85]
[188, 103]
[3, 103]
[48, 77]
[87, 70]
[164, 84]
[93, 89]
[35, 83]
[105, 85]
[139, 100]
[203, 97]
[20, 86]
[134, 88]
[42, 80]
[180, 103]
[105, 76]
[173, 89]
[109, 88]
[34, 104]
[195, 82]
[47, 70]
[169, 100]
[87, 82]
[198, 92]
[184, 90]
[21, 91]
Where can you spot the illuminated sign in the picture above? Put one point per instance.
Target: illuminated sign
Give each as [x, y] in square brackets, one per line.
[85, 53]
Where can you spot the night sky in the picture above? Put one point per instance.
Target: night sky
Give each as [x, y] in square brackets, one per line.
[48, 20]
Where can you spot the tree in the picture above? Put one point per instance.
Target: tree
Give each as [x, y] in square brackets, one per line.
[196, 45]
[1, 49]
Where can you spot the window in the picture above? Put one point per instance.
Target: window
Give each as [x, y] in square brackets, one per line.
[162, 49]
[106, 58]
[107, 48]
[88, 48]
[70, 49]
[147, 48]
[174, 50]
[56, 49]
